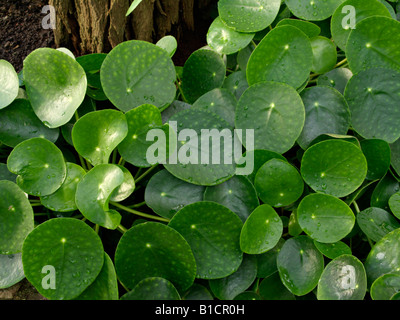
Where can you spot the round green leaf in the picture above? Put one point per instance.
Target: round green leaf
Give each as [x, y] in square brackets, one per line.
[203, 71]
[237, 194]
[385, 188]
[105, 287]
[261, 231]
[137, 72]
[390, 8]
[248, 295]
[217, 251]
[169, 44]
[154, 250]
[396, 296]
[195, 161]
[16, 217]
[67, 249]
[324, 53]
[373, 98]
[19, 122]
[11, 270]
[266, 262]
[377, 152]
[325, 218]
[334, 167]
[5, 174]
[92, 63]
[40, 166]
[278, 183]
[332, 136]
[336, 78]
[333, 250]
[93, 193]
[374, 43]
[248, 15]
[384, 257]
[314, 10]
[229, 287]
[326, 112]
[275, 112]
[385, 287]
[310, 29]
[394, 204]
[376, 223]
[226, 40]
[174, 108]
[106, 129]
[153, 289]
[259, 157]
[56, 85]
[197, 292]
[63, 200]
[221, 102]
[9, 84]
[344, 278]
[395, 158]
[135, 146]
[272, 288]
[294, 228]
[126, 188]
[341, 24]
[236, 83]
[166, 195]
[300, 265]
[243, 56]
[284, 55]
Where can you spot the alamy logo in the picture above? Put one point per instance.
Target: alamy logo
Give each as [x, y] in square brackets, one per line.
[49, 280]
[49, 21]
[349, 21]
[209, 146]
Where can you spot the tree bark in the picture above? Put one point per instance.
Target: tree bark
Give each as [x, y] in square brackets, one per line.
[90, 26]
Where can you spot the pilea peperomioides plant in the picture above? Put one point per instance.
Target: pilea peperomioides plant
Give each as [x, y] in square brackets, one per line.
[267, 167]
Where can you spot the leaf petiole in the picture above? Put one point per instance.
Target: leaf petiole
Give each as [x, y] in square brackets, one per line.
[138, 213]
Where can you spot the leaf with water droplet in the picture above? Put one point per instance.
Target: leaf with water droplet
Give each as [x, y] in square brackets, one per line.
[63, 235]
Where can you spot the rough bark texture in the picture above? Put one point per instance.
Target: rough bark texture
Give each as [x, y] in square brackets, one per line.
[89, 26]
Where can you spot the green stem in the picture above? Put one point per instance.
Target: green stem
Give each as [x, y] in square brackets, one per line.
[97, 228]
[121, 162]
[127, 289]
[138, 205]
[83, 163]
[138, 173]
[180, 89]
[36, 204]
[122, 229]
[356, 207]
[89, 165]
[370, 242]
[145, 174]
[114, 157]
[138, 213]
[341, 62]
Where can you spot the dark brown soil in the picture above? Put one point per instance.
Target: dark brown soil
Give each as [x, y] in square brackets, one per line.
[21, 30]
[21, 291]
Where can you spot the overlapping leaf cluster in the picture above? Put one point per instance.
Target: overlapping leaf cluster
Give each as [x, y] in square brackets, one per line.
[318, 217]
